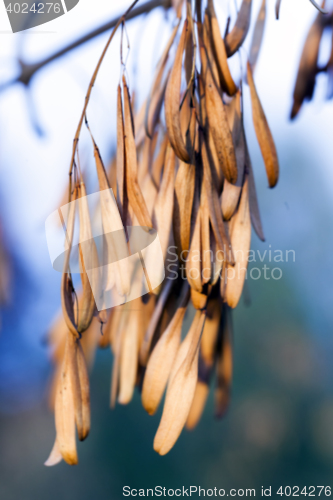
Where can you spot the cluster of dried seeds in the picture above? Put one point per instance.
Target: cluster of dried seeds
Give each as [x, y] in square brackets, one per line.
[187, 173]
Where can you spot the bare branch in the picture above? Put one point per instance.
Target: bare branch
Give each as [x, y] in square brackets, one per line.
[29, 70]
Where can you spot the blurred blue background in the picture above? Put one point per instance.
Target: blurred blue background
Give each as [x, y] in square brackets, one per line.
[279, 429]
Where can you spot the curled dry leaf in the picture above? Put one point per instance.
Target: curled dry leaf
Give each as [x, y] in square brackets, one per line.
[237, 35]
[263, 134]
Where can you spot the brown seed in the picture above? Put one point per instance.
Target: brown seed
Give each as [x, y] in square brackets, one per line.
[120, 165]
[162, 358]
[88, 262]
[240, 234]
[67, 288]
[129, 354]
[253, 200]
[226, 81]
[198, 405]
[307, 70]
[218, 123]
[231, 192]
[263, 134]
[237, 35]
[133, 189]
[156, 95]
[65, 414]
[55, 456]
[172, 102]
[181, 389]
[277, 9]
[114, 233]
[257, 37]
[163, 210]
[215, 212]
[224, 365]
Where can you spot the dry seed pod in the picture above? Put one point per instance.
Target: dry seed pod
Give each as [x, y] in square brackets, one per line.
[80, 386]
[172, 101]
[65, 414]
[159, 162]
[85, 392]
[218, 259]
[258, 34]
[210, 331]
[240, 234]
[156, 96]
[55, 456]
[116, 247]
[226, 81]
[162, 300]
[231, 192]
[199, 300]
[208, 47]
[215, 213]
[224, 365]
[120, 159]
[88, 262]
[237, 35]
[120, 320]
[254, 206]
[307, 70]
[163, 210]
[218, 123]
[184, 192]
[198, 405]
[129, 355]
[208, 347]
[206, 271]
[181, 389]
[263, 134]
[162, 358]
[193, 258]
[277, 9]
[67, 288]
[133, 189]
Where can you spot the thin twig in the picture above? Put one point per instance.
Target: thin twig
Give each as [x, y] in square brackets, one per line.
[29, 70]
